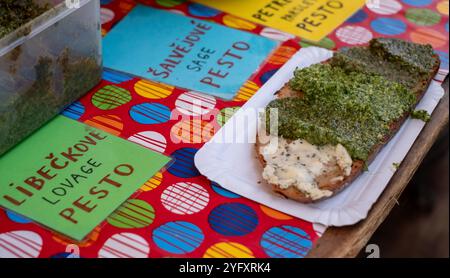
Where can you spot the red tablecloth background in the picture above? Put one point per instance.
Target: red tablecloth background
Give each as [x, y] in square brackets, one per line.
[182, 214]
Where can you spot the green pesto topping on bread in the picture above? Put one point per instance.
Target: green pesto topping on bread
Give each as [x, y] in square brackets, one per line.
[354, 109]
[399, 61]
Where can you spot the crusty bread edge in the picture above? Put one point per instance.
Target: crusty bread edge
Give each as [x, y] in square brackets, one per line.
[358, 166]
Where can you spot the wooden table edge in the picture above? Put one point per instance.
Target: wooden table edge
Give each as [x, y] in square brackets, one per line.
[345, 242]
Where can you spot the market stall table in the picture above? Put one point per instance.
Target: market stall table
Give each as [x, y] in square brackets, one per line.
[219, 223]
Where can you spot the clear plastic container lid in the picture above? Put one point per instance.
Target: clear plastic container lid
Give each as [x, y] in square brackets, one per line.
[58, 11]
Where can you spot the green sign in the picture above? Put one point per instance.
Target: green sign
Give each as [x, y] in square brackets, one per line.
[69, 176]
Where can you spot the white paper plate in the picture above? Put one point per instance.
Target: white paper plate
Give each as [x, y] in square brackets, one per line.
[235, 167]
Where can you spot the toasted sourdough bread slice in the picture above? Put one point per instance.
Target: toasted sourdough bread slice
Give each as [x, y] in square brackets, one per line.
[328, 181]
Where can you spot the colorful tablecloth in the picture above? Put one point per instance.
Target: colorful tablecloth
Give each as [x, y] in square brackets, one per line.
[179, 213]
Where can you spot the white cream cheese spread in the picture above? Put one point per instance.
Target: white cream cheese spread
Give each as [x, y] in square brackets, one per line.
[298, 163]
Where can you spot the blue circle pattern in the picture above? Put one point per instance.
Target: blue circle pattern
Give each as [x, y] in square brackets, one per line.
[150, 113]
[233, 219]
[388, 26]
[223, 192]
[178, 237]
[74, 111]
[184, 166]
[267, 75]
[358, 17]
[444, 58]
[417, 3]
[17, 218]
[64, 255]
[202, 11]
[115, 77]
[286, 242]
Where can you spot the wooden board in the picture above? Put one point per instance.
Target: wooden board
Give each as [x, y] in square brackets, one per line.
[349, 241]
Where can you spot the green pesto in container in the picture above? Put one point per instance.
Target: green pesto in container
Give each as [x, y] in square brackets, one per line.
[47, 62]
[15, 13]
[44, 99]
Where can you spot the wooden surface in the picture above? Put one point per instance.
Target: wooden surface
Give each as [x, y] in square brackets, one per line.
[349, 241]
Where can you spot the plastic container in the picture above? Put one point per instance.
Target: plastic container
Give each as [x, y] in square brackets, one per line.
[47, 64]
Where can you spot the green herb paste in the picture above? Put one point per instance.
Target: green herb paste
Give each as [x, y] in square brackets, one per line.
[15, 13]
[58, 83]
[353, 109]
[410, 55]
[399, 61]
[355, 99]
[421, 115]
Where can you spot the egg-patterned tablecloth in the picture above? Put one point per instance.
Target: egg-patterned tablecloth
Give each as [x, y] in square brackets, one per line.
[179, 213]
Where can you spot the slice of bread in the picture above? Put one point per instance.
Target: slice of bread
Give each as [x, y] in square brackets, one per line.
[329, 179]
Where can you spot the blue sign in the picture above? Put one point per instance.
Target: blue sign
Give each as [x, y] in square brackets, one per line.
[185, 52]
